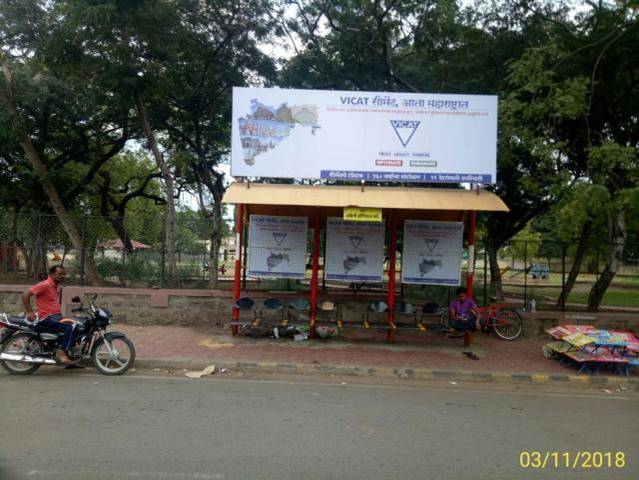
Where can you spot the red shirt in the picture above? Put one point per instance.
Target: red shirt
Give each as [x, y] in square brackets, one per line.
[47, 295]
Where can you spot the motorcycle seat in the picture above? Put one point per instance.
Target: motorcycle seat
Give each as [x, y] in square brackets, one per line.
[20, 322]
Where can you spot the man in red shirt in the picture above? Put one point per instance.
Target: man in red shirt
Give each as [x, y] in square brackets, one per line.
[47, 294]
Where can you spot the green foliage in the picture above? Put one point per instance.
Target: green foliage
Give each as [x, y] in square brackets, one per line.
[134, 270]
[525, 245]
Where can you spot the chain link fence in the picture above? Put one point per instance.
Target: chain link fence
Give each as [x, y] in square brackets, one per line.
[538, 270]
[127, 252]
[136, 257]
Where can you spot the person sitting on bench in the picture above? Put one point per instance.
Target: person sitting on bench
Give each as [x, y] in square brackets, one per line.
[463, 312]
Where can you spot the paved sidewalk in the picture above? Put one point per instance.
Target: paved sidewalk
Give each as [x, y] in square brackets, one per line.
[354, 349]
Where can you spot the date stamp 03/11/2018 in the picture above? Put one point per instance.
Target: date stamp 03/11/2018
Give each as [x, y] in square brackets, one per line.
[572, 460]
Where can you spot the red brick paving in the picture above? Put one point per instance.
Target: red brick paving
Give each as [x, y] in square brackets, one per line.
[356, 348]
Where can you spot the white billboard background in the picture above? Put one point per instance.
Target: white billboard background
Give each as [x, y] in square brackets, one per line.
[364, 135]
[277, 246]
[432, 252]
[354, 251]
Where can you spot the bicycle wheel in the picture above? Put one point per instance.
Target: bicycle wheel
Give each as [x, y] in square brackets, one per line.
[508, 324]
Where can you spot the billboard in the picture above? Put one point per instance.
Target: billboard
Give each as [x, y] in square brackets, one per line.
[432, 252]
[354, 251]
[339, 135]
[277, 246]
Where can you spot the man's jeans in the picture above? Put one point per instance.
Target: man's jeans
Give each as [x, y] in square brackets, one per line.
[464, 323]
[52, 324]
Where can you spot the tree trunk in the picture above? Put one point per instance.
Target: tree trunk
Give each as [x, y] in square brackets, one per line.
[214, 182]
[576, 264]
[619, 235]
[495, 274]
[167, 176]
[216, 240]
[41, 172]
[120, 229]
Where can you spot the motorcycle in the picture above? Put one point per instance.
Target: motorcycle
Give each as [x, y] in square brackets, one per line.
[25, 348]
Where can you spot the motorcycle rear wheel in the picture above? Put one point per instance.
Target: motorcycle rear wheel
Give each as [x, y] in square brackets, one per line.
[12, 345]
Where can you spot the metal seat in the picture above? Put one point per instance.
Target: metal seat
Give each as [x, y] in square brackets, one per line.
[431, 309]
[404, 311]
[273, 309]
[300, 304]
[272, 304]
[374, 309]
[246, 304]
[377, 307]
[405, 308]
[299, 309]
[328, 311]
[326, 306]
[431, 317]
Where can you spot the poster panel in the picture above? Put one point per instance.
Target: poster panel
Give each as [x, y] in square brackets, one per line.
[376, 136]
[354, 250]
[277, 246]
[432, 252]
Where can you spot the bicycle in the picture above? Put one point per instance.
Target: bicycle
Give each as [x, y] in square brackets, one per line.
[505, 321]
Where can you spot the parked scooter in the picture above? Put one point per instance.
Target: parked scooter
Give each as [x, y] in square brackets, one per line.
[24, 347]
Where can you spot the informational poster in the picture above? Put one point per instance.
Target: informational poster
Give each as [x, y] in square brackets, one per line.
[432, 252]
[376, 136]
[354, 250]
[277, 246]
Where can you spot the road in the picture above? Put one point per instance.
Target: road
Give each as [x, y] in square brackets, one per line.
[80, 426]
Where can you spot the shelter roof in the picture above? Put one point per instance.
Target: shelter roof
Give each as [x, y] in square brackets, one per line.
[405, 198]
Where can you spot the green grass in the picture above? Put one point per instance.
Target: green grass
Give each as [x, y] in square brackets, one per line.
[614, 297]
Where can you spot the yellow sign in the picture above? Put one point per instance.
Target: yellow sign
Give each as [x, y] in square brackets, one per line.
[355, 214]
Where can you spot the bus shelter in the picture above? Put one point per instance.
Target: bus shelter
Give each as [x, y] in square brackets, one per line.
[319, 203]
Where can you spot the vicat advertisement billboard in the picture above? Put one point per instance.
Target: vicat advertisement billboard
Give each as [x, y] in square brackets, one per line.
[371, 136]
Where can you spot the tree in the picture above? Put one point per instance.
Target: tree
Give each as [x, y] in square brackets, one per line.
[618, 170]
[581, 219]
[119, 45]
[174, 62]
[434, 47]
[129, 177]
[218, 50]
[65, 128]
[580, 94]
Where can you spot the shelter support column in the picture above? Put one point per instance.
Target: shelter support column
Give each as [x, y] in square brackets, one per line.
[472, 227]
[317, 226]
[390, 335]
[237, 277]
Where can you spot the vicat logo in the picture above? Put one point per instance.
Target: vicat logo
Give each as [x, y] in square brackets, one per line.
[405, 129]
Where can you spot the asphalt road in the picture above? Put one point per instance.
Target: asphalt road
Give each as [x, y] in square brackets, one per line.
[65, 425]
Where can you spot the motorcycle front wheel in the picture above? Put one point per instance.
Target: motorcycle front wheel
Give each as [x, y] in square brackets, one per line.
[113, 357]
[20, 344]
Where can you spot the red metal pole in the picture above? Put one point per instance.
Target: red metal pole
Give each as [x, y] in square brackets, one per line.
[239, 220]
[314, 276]
[472, 226]
[390, 335]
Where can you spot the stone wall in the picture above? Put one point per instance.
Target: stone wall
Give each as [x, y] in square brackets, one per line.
[209, 308]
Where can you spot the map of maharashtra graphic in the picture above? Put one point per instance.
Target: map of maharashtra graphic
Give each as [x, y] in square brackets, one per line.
[266, 127]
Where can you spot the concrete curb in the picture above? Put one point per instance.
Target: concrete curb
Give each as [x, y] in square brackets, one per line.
[390, 372]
